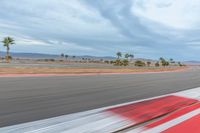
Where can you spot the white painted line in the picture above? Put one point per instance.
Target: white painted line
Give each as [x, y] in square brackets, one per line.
[166, 125]
[103, 121]
[173, 122]
[192, 93]
[46, 122]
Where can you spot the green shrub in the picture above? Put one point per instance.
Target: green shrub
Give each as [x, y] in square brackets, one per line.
[148, 63]
[164, 62]
[119, 62]
[125, 62]
[52, 60]
[107, 62]
[140, 63]
[157, 64]
[180, 64]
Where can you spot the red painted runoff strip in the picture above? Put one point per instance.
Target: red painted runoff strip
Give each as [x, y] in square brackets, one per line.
[150, 109]
[174, 115]
[191, 125]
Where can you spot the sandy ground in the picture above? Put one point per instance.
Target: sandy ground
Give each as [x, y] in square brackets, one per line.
[47, 70]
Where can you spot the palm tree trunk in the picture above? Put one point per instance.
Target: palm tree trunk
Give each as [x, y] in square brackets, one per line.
[8, 55]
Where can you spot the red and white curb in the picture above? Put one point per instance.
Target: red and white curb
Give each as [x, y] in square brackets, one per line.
[184, 120]
[181, 110]
[176, 122]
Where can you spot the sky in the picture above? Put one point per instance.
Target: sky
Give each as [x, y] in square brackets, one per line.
[145, 28]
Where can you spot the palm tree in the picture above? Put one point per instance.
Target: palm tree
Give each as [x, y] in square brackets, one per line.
[163, 62]
[119, 54]
[66, 56]
[161, 59]
[6, 43]
[131, 56]
[62, 55]
[171, 60]
[126, 55]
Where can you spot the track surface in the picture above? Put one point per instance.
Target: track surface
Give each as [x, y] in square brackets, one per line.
[34, 98]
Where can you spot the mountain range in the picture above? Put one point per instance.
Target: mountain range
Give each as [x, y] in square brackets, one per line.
[54, 56]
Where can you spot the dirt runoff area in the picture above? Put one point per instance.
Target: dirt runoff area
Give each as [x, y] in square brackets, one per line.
[46, 70]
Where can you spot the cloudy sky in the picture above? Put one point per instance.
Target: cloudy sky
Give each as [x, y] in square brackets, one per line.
[147, 28]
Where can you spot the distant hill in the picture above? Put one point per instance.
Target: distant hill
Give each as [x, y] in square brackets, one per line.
[95, 57]
[54, 56]
[30, 55]
[51, 56]
[192, 62]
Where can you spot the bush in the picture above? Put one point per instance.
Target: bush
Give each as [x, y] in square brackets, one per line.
[9, 57]
[107, 62]
[112, 62]
[140, 63]
[125, 62]
[52, 60]
[180, 64]
[119, 62]
[148, 63]
[157, 64]
[164, 62]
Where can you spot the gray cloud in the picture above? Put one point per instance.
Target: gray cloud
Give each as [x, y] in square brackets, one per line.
[101, 26]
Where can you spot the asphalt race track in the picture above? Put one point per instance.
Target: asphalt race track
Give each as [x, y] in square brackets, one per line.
[24, 99]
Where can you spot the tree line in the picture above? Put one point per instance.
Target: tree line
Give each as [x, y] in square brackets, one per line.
[123, 61]
[128, 58]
